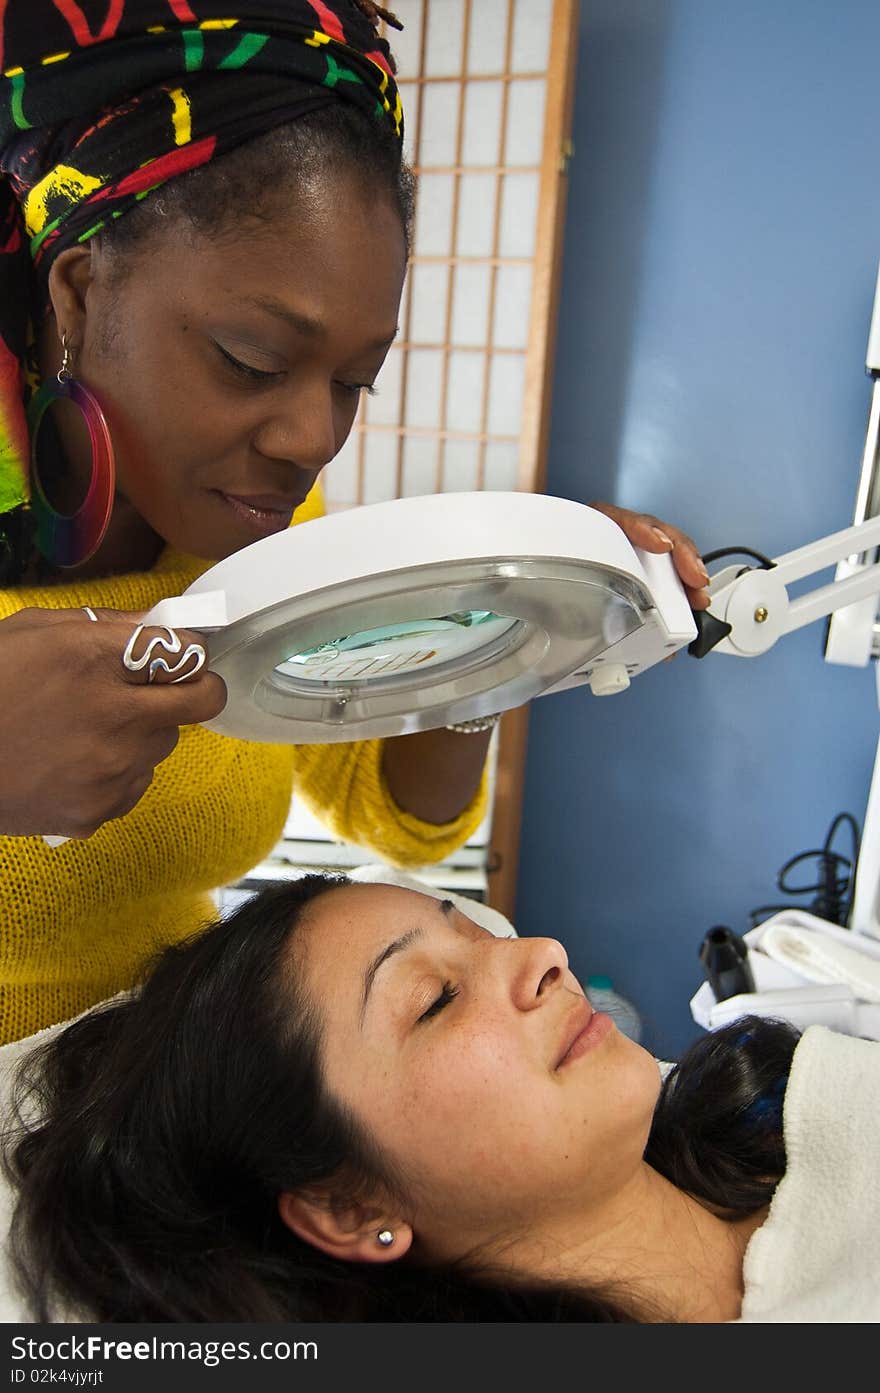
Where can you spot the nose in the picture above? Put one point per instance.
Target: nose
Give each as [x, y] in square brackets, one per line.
[539, 968]
[300, 427]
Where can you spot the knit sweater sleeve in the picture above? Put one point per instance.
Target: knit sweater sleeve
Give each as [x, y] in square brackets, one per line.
[344, 787]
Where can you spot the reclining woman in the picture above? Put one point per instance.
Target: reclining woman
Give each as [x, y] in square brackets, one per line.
[350, 1102]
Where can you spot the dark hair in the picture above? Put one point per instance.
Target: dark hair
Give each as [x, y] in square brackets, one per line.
[155, 1134]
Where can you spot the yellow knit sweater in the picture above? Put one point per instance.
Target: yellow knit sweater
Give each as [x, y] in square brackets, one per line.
[78, 922]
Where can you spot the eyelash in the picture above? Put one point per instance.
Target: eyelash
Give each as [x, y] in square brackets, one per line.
[359, 387]
[254, 374]
[448, 993]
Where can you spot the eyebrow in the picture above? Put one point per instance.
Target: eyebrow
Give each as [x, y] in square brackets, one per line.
[398, 945]
[303, 323]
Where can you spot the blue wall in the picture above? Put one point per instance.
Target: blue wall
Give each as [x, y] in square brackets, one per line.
[722, 243]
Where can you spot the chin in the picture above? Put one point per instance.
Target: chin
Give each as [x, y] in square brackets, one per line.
[637, 1069]
[201, 543]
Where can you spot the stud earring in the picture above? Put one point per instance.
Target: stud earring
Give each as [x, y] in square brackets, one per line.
[69, 539]
[385, 1237]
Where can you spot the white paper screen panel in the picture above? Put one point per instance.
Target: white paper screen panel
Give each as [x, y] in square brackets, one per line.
[451, 400]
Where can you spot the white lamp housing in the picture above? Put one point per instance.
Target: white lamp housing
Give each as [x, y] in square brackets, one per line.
[412, 614]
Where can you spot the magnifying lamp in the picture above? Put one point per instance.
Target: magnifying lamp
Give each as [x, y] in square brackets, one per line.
[415, 613]
[422, 612]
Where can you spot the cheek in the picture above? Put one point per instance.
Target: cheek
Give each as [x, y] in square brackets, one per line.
[160, 413]
[477, 1106]
[470, 1095]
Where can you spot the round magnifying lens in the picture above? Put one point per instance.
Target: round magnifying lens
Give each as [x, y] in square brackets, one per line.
[399, 648]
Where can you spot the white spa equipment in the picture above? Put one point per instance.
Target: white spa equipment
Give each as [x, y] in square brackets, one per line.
[424, 611]
[805, 969]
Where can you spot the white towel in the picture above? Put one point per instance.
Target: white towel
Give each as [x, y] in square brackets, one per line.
[820, 958]
[816, 1258]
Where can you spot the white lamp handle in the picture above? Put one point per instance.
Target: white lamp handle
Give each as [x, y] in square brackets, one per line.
[204, 611]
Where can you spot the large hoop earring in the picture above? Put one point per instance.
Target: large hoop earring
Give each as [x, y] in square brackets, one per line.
[68, 539]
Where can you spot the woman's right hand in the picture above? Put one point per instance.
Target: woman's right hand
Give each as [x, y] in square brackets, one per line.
[80, 737]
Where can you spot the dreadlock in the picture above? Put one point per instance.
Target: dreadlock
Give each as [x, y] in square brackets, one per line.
[376, 12]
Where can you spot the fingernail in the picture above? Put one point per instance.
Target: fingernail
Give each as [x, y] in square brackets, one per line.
[663, 537]
[704, 573]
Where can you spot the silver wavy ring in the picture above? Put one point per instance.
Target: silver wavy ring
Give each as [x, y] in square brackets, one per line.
[87, 609]
[192, 659]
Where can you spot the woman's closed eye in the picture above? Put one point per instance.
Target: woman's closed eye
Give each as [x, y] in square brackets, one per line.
[245, 369]
[447, 994]
[263, 375]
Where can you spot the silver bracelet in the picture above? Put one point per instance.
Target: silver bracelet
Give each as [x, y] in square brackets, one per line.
[478, 724]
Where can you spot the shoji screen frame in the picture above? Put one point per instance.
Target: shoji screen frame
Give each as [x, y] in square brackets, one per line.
[350, 479]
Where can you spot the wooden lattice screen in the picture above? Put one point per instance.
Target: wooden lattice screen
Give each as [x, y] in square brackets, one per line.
[463, 399]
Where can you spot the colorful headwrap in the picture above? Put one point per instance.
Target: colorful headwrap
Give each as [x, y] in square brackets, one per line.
[102, 101]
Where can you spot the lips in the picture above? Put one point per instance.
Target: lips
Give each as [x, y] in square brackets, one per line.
[267, 502]
[577, 1022]
[261, 514]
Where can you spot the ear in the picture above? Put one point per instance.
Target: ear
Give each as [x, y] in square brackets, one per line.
[70, 278]
[348, 1231]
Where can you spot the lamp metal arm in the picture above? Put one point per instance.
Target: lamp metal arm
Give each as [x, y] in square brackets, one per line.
[756, 603]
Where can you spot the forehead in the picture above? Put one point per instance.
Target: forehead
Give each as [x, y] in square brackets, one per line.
[336, 215]
[347, 927]
[316, 249]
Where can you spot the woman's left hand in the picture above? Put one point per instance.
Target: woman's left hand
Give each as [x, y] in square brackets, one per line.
[650, 534]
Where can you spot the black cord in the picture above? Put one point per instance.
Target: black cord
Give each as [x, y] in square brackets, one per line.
[766, 563]
[835, 879]
[710, 630]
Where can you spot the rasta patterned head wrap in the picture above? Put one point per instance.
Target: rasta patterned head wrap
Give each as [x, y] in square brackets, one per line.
[103, 101]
